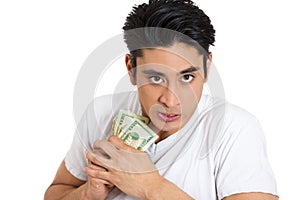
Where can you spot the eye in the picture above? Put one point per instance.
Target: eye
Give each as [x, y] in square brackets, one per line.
[187, 78]
[156, 79]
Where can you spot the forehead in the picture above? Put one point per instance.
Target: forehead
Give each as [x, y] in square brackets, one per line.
[177, 57]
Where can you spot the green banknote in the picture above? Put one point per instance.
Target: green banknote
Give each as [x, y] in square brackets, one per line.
[132, 129]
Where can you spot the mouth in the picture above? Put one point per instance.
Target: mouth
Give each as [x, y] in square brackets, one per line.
[169, 117]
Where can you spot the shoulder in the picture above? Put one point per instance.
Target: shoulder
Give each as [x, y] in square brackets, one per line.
[233, 127]
[240, 151]
[230, 114]
[224, 123]
[220, 123]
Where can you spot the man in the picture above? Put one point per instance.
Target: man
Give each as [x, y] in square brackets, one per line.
[206, 149]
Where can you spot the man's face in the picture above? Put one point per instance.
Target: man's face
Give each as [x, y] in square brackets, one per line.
[170, 83]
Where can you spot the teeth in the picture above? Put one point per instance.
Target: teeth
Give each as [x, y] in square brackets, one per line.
[169, 115]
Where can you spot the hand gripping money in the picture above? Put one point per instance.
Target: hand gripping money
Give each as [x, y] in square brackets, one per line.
[129, 169]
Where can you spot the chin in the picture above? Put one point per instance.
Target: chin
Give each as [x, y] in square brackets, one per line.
[167, 127]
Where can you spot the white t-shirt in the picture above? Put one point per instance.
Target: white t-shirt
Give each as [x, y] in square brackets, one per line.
[219, 152]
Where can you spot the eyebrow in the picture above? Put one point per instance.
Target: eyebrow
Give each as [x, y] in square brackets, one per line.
[153, 72]
[188, 70]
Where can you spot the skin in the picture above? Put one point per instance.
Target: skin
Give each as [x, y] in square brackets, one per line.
[165, 94]
[169, 81]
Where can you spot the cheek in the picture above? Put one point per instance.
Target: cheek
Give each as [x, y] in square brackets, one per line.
[197, 89]
[190, 97]
[192, 93]
[148, 96]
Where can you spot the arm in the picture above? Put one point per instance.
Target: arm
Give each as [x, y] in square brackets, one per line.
[131, 171]
[242, 167]
[166, 190]
[252, 196]
[65, 186]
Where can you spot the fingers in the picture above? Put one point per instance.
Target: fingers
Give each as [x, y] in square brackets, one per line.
[101, 176]
[98, 159]
[119, 144]
[105, 148]
[115, 155]
[97, 167]
[96, 182]
[93, 172]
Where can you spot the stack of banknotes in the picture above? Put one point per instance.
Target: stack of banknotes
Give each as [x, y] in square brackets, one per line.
[132, 129]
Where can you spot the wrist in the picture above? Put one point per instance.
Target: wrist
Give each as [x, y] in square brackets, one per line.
[153, 192]
[83, 192]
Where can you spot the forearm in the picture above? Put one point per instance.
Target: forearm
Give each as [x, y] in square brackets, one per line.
[65, 192]
[165, 191]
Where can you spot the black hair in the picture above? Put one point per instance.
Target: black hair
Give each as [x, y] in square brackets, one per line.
[170, 17]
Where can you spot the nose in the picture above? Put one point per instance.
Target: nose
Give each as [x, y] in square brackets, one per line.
[168, 98]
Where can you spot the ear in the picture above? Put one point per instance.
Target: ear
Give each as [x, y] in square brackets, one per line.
[208, 64]
[129, 69]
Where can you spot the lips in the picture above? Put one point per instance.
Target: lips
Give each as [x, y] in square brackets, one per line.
[169, 117]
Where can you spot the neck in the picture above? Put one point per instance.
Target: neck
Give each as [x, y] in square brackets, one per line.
[161, 133]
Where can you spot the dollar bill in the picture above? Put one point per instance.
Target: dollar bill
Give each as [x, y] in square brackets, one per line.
[132, 129]
[124, 119]
[138, 135]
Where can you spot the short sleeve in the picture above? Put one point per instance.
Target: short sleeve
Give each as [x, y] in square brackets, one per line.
[241, 160]
[95, 124]
[75, 159]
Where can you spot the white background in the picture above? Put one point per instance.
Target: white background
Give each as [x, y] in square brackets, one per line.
[43, 45]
